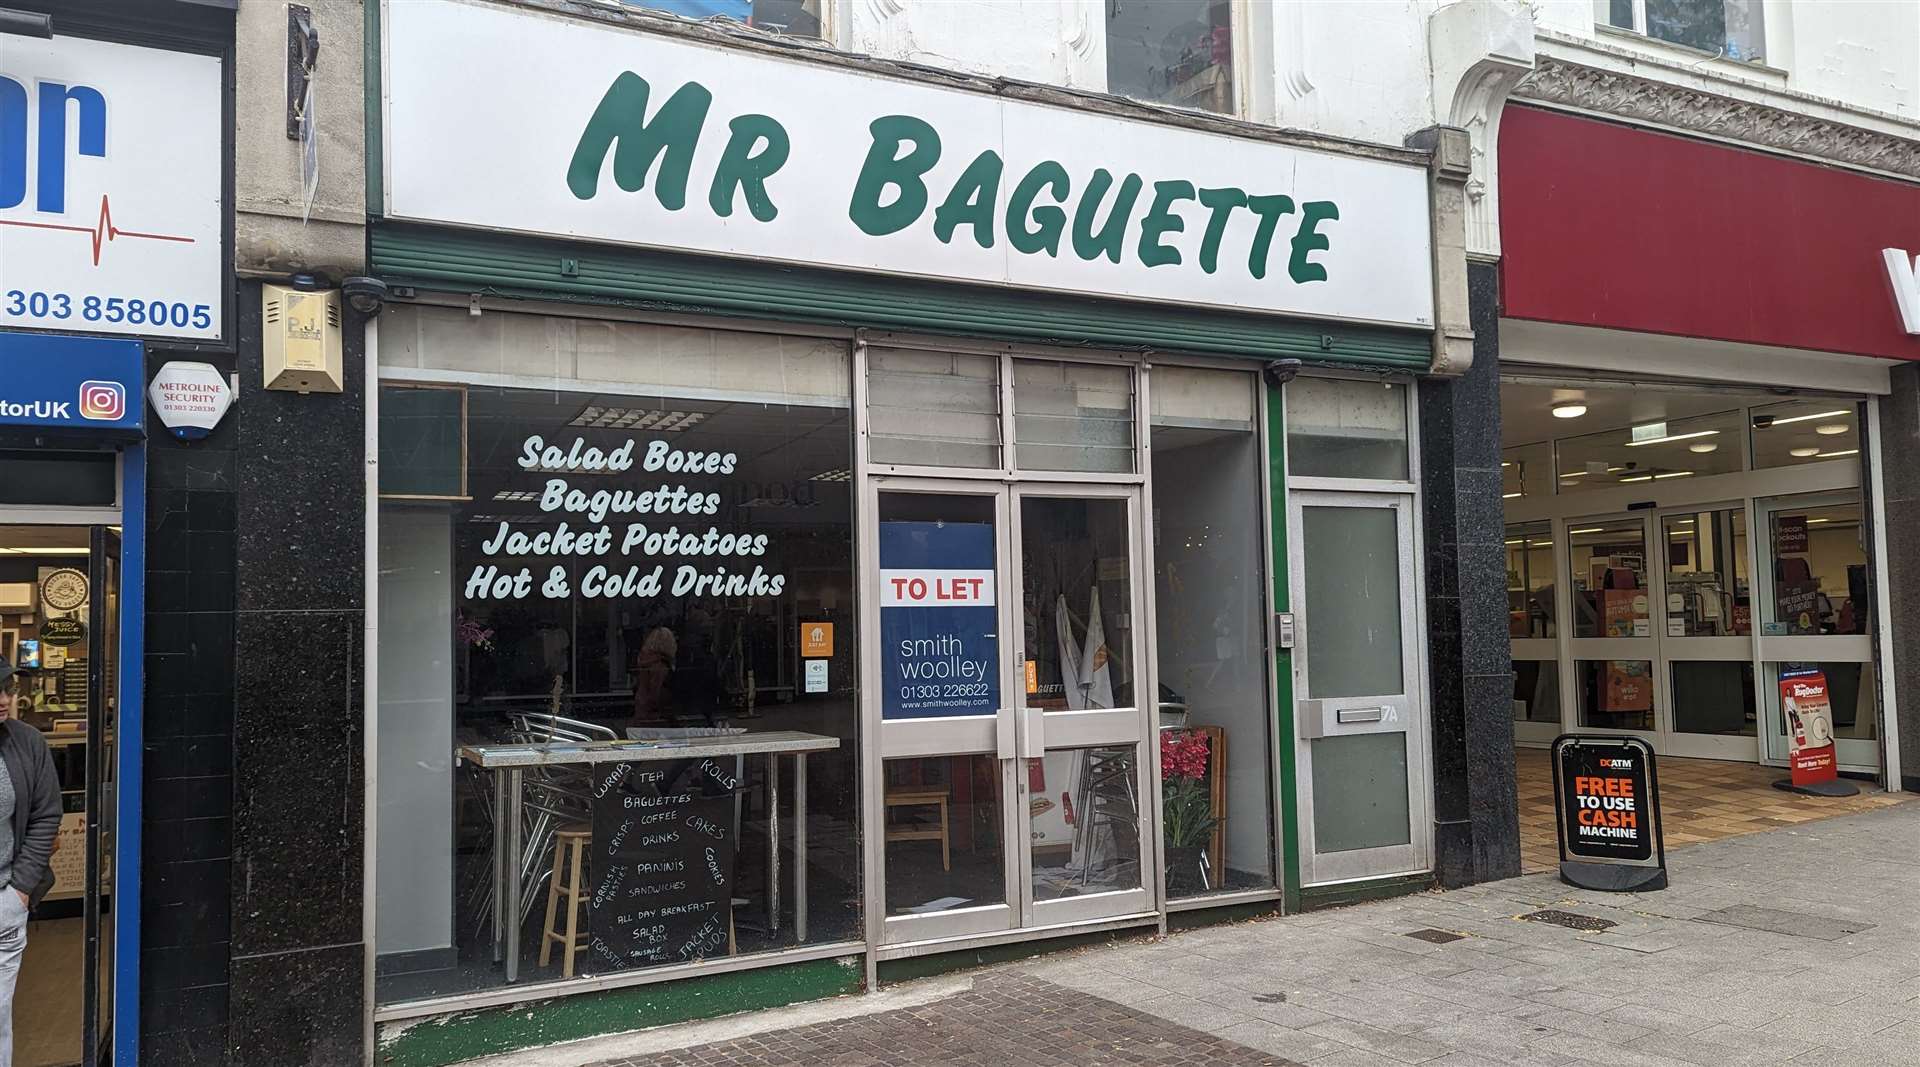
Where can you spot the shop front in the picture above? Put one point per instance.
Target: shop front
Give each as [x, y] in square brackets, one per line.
[1693, 442]
[826, 519]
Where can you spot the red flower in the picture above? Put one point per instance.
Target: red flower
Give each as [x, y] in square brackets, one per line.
[1183, 754]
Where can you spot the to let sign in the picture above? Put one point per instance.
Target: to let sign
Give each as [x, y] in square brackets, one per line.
[939, 628]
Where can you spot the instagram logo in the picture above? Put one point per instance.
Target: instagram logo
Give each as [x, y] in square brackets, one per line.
[103, 401]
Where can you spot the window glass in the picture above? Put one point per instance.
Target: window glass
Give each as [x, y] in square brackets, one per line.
[1353, 612]
[1176, 52]
[1651, 452]
[1614, 694]
[1209, 590]
[1608, 559]
[1340, 428]
[1713, 698]
[667, 562]
[1360, 795]
[1850, 695]
[1527, 470]
[797, 18]
[1805, 431]
[1536, 691]
[1073, 416]
[1819, 571]
[59, 479]
[1530, 585]
[933, 409]
[423, 440]
[1707, 574]
[943, 834]
[1728, 27]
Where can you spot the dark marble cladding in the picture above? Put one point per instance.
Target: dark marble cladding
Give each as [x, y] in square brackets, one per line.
[298, 787]
[1900, 428]
[302, 482]
[1475, 807]
[297, 1009]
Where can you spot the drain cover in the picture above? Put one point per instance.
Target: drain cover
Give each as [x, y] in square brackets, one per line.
[1435, 937]
[1570, 920]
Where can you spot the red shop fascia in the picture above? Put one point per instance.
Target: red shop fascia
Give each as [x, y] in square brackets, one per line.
[1625, 228]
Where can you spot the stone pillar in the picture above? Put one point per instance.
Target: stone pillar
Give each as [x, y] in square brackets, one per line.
[1476, 811]
[1900, 479]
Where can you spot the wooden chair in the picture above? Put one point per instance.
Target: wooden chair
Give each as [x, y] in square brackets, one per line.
[570, 845]
[921, 797]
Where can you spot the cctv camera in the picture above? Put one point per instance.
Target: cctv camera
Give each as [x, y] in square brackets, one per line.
[1280, 371]
[365, 294]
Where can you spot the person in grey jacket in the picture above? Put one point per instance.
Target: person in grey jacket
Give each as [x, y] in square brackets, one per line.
[29, 821]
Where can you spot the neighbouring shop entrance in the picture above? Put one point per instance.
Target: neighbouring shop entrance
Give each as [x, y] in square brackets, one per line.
[1671, 551]
[59, 628]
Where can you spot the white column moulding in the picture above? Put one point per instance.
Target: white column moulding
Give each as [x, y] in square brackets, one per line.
[1480, 52]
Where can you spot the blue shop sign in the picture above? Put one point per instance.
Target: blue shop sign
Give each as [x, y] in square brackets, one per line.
[71, 383]
[938, 623]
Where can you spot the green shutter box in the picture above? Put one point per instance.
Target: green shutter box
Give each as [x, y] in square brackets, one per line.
[535, 268]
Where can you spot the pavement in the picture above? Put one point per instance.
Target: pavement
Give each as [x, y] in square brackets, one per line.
[1799, 945]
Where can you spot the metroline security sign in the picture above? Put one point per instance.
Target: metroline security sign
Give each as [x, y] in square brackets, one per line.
[523, 121]
[110, 191]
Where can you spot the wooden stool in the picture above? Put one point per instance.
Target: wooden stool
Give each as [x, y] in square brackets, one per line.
[921, 798]
[570, 844]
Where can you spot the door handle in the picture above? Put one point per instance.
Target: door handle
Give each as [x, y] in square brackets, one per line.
[1033, 732]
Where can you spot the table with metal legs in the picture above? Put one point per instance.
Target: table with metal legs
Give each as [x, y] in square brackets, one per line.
[508, 763]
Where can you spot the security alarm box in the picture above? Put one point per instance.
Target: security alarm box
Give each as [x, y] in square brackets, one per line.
[300, 339]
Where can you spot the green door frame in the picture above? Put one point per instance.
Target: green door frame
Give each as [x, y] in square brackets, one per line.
[1288, 785]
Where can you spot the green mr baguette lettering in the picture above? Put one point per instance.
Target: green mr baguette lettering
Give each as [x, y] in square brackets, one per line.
[1046, 210]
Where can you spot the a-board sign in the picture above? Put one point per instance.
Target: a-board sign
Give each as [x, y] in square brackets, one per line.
[1606, 798]
[662, 863]
[1806, 700]
[939, 628]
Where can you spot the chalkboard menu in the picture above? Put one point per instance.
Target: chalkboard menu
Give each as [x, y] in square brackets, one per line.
[662, 878]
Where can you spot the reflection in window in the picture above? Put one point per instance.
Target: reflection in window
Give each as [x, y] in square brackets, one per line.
[1851, 701]
[796, 18]
[1614, 694]
[1713, 697]
[1527, 470]
[1536, 691]
[1819, 571]
[1209, 583]
[654, 560]
[1530, 587]
[1805, 431]
[1651, 452]
[943, 834]
[1729, 28]
[1340, 428]
[1707, 574]
[1073, 416]
[1176, 52]
[933, 409]
[1609, 566]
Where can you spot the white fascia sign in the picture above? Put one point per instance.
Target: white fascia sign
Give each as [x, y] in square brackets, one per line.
[506, 119]
[1903, 272]
[189, 399]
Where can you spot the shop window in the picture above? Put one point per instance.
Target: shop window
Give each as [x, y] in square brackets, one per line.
[1819, 571]
[795, 18]
[1608, 563]
[933, 409]
[1728, 28]
[423, 441]
[1651, 453]
[1614, 694]
[1805, 431]
[670, 562]
[1707, 589]
[1177, 52]
[1073, 417]
[1526, 470]
[1851, 701]
[1214, 716]
[1341, 428]
[1530, 585]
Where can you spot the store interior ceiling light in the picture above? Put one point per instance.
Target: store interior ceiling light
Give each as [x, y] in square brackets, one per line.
[1569, 411]
[1703, 447]
[840, 475]
[1831, 429]
[1806, 418]
[1802, 453]
[1588, 530]
[1540, 544]
[1671, 437]
[1510, 496]
[516, 496]
[1837, 455]
[43, 551]
[605, 418]
[1672, 474]
[1810, 522]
